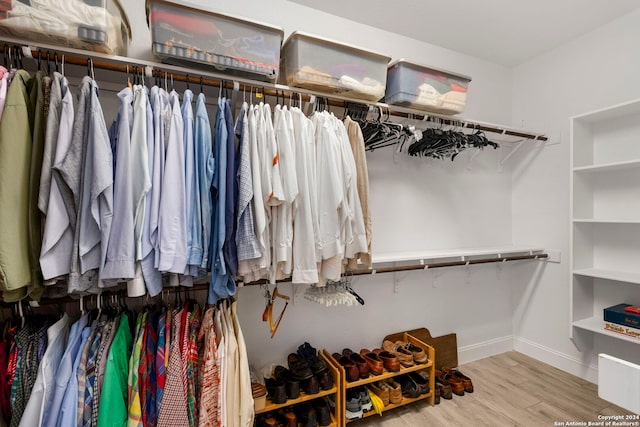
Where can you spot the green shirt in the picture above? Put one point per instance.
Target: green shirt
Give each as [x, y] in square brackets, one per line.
[113, 399]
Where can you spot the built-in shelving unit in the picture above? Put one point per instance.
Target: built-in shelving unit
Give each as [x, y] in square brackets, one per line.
[605, 218]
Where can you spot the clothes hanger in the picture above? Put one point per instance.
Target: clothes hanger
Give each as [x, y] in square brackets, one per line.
[267, 314]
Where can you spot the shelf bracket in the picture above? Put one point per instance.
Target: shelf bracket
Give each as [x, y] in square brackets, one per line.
[508, 156]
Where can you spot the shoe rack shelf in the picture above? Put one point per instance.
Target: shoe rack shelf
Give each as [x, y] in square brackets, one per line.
[304, 397]
[429, 366]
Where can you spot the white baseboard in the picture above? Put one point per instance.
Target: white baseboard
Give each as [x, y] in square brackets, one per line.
[559, 360]
[470, 353]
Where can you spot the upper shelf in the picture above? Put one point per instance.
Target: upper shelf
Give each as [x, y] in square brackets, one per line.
[608, 167]
[124, 64]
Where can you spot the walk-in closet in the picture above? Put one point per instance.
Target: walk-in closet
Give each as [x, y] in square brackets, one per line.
[293, 214]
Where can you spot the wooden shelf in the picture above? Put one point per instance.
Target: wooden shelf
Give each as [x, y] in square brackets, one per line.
[388, 374]
[405, 401]
[596, 324]
[291, 402]
[608, 167]
[615, 275]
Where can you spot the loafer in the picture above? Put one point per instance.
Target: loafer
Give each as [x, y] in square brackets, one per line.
[325, 380]
[436, 397]
[422, 382]
[290, 419]
[276, 391]
[390, 361]
[456, 384]
[362, 364]
[404, 356]
[307, 415]
[299, 367]
[466, 381]
[381, 391]
[419, 355]
[323, 415]
[409, 388]
[376, 366]
[443, 389]
[351, 370]
[311, 386]
[395, 390]
[310, 354]
[292, 386]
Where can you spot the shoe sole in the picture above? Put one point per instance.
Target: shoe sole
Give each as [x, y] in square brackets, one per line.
[353, 415]
[367, 407]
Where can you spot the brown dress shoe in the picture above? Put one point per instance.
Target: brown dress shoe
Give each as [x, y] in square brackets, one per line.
[351, 370]
[290, 419]
[376, 366]
[443, 387]
[362, 364]
[390, 361]
[456, 384]
[466, 381]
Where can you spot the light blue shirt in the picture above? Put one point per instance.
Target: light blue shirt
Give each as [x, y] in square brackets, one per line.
[68, 414]
[204, 172]
[192, 196]
[172, 225]
[64, 373]
[120, 259]
[219, 277]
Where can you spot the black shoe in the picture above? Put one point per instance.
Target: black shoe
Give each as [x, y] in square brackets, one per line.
[276, 391]
[422, 382]
[311, 386]
[292, 385]
[307, 415]
[409, 387]
[322, 412]
[310, 354]
[299, 367]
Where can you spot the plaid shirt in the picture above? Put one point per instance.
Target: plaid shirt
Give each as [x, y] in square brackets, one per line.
[81, 373]
[160, 361]
[209, 379]
[135, 409]
[192, 366]
[103, 353]
[148, 398]
[173, 409]
[90, 376]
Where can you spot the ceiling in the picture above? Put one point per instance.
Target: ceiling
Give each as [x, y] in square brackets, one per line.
[507, 32]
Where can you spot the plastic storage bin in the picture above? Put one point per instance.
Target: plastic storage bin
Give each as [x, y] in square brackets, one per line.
[426, 88]
[95, 25]
[184, 35]
[319, 64]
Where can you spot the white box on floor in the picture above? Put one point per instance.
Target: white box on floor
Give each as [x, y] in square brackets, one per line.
[317, 63]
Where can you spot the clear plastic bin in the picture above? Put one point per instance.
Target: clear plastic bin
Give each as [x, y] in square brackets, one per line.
[426, 88]
[95, 25]
[184, 35]
[319, 64]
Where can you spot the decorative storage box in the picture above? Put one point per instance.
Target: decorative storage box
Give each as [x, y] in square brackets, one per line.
[617, 314]
[95, 25]
[426, 88]
[316, 63]
[184, 35]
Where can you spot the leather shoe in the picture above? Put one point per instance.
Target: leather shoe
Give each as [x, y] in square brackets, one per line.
[362, 364]
[310, 354]
[382, 392]
[326, 380]
[276, 391]
[404, 356]
[269, 421]
[456, 383]
[376, 366]
[409, 387]
[351, 370]
[390, 361]
[322, 412]
[395, 390]
[421, 381]
[299, 367]
[419, 355]
[307, 415]
[291, 384]
[311, 386]
[290, 419]
[466, 381]
[443, 389]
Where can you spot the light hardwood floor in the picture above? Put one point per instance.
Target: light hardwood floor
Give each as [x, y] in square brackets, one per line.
[511, 389]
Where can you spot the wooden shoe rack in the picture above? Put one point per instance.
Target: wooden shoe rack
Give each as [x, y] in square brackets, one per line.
[335, 391]
[429, 366]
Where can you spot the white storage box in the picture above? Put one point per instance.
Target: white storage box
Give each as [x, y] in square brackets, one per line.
[184, 35]
[426, 88]
[319, 64]
[95, 25]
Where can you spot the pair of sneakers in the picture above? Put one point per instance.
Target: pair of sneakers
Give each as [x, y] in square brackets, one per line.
[358, 402]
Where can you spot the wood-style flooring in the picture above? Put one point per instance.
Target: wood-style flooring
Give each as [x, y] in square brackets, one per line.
[511, 389]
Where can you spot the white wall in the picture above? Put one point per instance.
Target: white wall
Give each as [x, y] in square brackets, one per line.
[595, 71]
[416, 204]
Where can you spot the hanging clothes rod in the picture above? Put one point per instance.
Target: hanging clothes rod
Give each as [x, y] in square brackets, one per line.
[182, 74]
